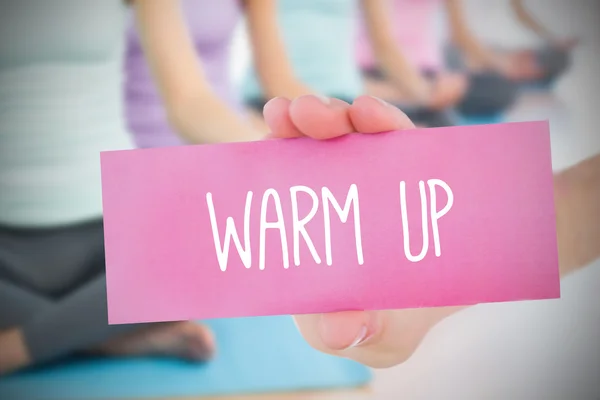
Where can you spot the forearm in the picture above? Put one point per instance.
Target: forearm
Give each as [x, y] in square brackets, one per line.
[273, 67]
[404, 76]
[206, 119]
[399, 70]
[478, 54]
[525, 17]
[281, 86]
[577, 192]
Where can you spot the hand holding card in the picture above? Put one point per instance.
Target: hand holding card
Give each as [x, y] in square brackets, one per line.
[451, 216]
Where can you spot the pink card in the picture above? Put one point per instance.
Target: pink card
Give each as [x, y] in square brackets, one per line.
[420, 218]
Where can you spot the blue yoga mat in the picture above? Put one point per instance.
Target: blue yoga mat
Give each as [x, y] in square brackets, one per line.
[480, 120]
[256, 355]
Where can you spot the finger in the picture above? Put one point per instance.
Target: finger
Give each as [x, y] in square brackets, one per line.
[321, 117]
[371, 115]
[277, 117]
[361, 336]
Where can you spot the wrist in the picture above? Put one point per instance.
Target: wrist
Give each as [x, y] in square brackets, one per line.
[207, 119]
[290, 88]
[425, 93]
[577, 202]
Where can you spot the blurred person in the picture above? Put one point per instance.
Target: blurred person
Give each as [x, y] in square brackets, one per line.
[211, 29]
[318, 36]
[415, 39]
[62, 104]
[539, 64]
[385, 338]
[553, 58]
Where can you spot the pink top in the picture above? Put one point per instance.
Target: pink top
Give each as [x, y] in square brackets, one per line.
[415, 31]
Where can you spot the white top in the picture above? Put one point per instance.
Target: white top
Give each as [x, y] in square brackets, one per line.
[60, 106]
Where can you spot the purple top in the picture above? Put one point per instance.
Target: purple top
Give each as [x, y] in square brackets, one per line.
[212, 28]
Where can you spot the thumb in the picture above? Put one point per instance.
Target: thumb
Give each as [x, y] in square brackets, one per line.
[375, 338]
[335, 332]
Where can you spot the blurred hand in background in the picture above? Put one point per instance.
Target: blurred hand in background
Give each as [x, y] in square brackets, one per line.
[448, 89]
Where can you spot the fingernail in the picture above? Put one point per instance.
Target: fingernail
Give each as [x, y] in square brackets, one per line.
[361, 337]
[381, 101]
[295, 323]
[269, 104]
[369, 329]
[323, 99]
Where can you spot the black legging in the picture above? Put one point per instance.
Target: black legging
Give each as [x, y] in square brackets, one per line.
[53, 287]
[488, 94]
[553, 61]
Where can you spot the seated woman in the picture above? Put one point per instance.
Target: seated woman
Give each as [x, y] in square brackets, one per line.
[553, 58]
[540, 63]
[319, 41]
[61, 105]
[211, 30]
[416, 32]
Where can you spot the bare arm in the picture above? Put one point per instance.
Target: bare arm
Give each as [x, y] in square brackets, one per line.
[273, 67]
[461, 35]
[396, 66]
[527, 19]
[194, 110]
[577, 192]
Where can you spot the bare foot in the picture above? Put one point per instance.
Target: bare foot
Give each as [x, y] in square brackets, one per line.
[186, 340]
[13, 351]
